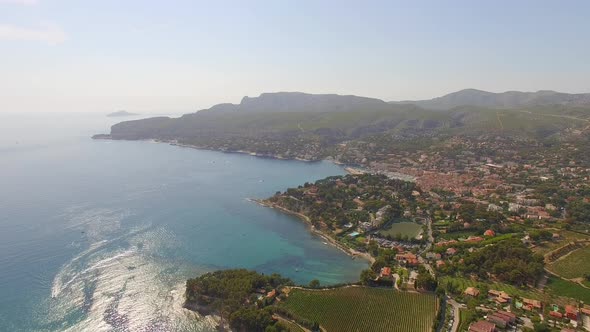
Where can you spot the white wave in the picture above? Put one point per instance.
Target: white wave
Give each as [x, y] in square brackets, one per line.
[59, 285]
[126, 289]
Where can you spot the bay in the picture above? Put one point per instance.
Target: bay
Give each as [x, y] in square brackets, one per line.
[101, 235]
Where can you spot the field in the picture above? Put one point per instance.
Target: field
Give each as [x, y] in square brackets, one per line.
[291, 327]
[410, 229]
[566, 236]
[574, 265]
[364, 309]
[568, 289]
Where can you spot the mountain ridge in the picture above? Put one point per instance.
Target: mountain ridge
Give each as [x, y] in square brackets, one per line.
[500, 100]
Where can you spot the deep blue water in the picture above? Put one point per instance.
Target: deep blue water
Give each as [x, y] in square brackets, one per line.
[101, 235]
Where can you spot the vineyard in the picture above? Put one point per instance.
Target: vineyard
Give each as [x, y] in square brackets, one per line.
[575, 265]
[364, 309]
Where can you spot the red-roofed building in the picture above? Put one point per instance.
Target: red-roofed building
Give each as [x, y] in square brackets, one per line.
[412, 262]
[451, 251]
[511, 316]
[385, 272]
[533, 304]
[571, 312]
[471, 291]
[482, 326]
[445, 243]
[489, 233]
[556, 314]
[499, 320]
[474, 239]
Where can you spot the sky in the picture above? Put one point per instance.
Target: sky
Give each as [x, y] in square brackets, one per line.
[177, 56]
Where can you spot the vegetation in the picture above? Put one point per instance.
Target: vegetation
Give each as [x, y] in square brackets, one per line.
[456, 286]
[296, 125]
[241, 295]
[364, 309]
[508, 261]
[560, 287]
[465, 318]
[575, 265]
[339, 205]
[579, 210]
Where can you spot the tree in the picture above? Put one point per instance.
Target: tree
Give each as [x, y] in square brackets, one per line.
[314, 283]
[426, 281]
[367, 276]
[250, 319]
[315, 327]
[540, 327]
[373, 248]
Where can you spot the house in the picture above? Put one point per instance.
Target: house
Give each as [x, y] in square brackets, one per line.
[499, 320]
[585, 317]
[556, 314]
[511, 317]
[474, 239]
[440, 263]
[408, 258]
[272, 293]
[500, 297]
[385, 272]
[412, 262]
[482, 326]
[571, 312]
[312, 191]
[445, 243]
[532, 304]
[451, 251]
[471, 291]
[433, 256]
[489, 233]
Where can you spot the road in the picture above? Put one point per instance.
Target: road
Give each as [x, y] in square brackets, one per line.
[396, 277]
[429, 242]
[456, 306]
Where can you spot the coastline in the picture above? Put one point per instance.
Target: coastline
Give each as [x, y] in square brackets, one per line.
[251, 153]
[198, 147]
[349, 169]
[349, 251]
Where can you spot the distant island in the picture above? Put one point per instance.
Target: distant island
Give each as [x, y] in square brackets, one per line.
[120, 114]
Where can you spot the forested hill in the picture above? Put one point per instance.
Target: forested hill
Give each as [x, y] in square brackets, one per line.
[305, 126]
[508, 99]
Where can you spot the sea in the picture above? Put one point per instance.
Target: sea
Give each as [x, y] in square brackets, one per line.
[100, 235]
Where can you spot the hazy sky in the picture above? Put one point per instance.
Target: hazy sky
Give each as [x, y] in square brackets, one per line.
[103, 55]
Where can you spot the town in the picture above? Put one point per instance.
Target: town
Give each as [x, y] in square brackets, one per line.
[489, 239]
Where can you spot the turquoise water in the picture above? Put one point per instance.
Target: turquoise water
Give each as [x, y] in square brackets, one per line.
[101, 235]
